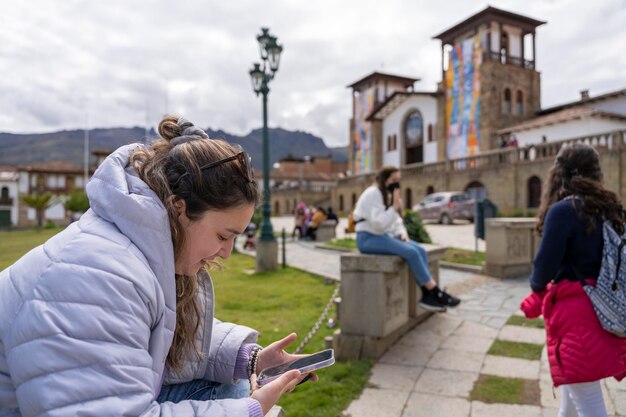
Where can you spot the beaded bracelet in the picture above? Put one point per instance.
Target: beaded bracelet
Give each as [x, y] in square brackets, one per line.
[253, 360]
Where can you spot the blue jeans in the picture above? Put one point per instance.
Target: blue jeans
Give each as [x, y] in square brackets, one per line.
[202, 390]
[410, 251]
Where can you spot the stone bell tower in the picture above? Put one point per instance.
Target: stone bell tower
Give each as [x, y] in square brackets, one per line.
[489, 80]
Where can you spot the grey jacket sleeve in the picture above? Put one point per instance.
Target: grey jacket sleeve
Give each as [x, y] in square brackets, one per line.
[79, 346]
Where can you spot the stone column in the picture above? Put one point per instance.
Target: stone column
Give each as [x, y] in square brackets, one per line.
[511, 245]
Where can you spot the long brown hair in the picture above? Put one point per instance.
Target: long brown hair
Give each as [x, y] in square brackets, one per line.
[576, 172]
[173, 172]
[381, 178]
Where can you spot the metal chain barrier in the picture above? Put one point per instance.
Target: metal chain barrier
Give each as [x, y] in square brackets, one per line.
[317, 325]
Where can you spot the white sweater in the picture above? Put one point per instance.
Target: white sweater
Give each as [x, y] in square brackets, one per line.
[378, 219]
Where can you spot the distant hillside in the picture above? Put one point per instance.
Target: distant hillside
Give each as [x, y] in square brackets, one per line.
[68, 145]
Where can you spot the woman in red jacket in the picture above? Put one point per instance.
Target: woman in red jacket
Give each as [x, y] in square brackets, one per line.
[580, 351]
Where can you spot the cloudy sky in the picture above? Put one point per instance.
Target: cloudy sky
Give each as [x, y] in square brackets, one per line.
[66, 64]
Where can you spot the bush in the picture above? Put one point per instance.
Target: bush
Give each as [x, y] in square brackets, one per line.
[77, 202]
[518, 213]
[415, 227]
[50, 225]
[257, 217]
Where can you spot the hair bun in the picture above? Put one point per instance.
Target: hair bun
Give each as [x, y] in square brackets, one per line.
[177, 130]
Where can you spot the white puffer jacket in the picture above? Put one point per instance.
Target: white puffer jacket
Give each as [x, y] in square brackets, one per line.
[87, 319]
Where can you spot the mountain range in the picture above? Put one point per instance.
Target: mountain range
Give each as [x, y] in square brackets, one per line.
[68, 145]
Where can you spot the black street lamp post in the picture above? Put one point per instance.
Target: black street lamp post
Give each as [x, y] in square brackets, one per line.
[261, 75]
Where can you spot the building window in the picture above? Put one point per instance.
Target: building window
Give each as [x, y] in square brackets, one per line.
[276, 207]
[4, 194]
[353, 200]
[430, 132]
[395, 141]
[534, 192]
[430, 189]
[507, 101]
[388, 143]
[413, 130]
[519, 103]
[340, 202]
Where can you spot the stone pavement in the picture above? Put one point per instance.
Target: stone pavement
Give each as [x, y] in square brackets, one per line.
[431, 371]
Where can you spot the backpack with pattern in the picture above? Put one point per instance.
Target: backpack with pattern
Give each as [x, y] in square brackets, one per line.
[608, 297]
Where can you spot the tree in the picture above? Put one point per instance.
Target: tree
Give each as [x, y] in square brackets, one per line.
[39, 202]
[77, 202]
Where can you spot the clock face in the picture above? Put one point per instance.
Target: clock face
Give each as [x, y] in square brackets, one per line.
[414, 130]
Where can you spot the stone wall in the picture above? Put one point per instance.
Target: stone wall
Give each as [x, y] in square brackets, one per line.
[503, 172]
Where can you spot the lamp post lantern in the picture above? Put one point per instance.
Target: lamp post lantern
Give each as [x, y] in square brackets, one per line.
[260, 75]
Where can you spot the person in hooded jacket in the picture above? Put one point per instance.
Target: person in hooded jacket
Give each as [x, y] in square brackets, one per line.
[572, 210]
[114, 315]
[380, 230]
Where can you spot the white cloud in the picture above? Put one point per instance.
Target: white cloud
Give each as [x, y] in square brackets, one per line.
[123, 62]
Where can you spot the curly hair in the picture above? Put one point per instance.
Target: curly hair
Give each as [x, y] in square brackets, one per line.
[576, 172]
[174, 171]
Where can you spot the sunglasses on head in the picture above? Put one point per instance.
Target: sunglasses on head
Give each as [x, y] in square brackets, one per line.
[245, 164]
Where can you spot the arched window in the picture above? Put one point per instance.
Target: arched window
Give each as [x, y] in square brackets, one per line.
[430, 189]
[519, 103]
[353, 199]
[408, 198]
[534, 192]
[506, 108]
[4, 194]
[413, 131]
[276, 207]
[340, 202]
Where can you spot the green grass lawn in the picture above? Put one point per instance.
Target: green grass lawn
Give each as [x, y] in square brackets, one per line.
[276, 304]
[463, 256]
[345, 243]
[525, 322]
[520, 350]
[495, 389]
[14, 244]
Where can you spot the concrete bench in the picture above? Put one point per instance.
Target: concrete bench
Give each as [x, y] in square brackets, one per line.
[326, 231]
[378, 302]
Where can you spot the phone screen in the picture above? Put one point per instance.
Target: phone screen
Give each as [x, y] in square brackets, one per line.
[306, 364]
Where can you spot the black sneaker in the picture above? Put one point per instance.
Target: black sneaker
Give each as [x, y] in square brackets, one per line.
[430, 302]
[446, 299]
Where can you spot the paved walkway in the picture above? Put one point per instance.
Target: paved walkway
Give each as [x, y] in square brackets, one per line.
[431, 371]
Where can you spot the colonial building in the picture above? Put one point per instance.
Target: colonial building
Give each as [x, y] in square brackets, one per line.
[308, 179]
[449, 139]
[8, 196]
[58, 178]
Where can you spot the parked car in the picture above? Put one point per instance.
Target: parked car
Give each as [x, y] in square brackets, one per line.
[445, 207]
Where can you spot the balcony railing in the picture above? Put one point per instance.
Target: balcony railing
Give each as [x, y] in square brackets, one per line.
[6, 201]
[603, 142]
[511, 60]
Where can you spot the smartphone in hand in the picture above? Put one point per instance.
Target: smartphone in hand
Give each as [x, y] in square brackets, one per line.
[304, 365]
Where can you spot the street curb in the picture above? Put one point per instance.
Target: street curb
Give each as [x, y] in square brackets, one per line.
[461, 267]
[322, 246]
